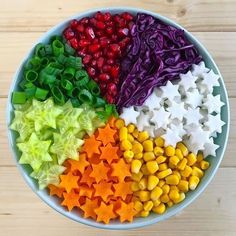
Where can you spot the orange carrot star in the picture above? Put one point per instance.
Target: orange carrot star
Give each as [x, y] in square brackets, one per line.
[88, 208]
[54, 190]
[80, 165]
[121, 170]
[109, 153]
[126, 212]
[86, 178]
[106, 135]
[71, 200]
[69, 181]
[99, 172]
[105, 213]
[122, 189]
[91, 146]
[103, 190]
[86, 191]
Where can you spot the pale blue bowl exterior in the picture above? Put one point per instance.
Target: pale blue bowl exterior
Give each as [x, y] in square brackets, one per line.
[153, 218]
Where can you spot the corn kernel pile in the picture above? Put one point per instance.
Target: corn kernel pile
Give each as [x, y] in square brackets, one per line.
[161, 175]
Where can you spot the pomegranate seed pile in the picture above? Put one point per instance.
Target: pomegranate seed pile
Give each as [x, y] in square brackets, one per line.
[101, 41]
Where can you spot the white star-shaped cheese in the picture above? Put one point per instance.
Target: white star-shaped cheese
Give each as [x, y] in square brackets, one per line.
[198, 70]
[187, 81]
[171, 138]
[178, 129]
[177, 110]
[191, 146]
[170, 91]
[153, 102]
[193, 116]
[160, 118]
[213, 103]
[150, 129]
[159, 132]
[143, 120]
[129, 115]
[214, 123]
[210, 148]
[193, 98]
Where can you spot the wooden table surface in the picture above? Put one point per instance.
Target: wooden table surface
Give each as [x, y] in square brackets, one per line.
[213, 22]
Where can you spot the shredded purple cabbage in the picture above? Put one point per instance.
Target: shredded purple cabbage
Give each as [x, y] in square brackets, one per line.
[158, 53]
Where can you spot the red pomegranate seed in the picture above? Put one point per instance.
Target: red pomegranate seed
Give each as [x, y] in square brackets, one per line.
[90, 33]
[107, 16]
[115, 47]
[127, 16]
[95, 41]
[91, 71]
[80, 28]
[110, 99]
[96, 79]
[68, 33]
[123, 32]
[103, 87]
[114, 37]
[84, 21]
[74, 23]
[82, 52]
[110, 23]
[93, 21]
[104, 41]
[94, 63]
[117, 18]
[84, 43]
[99, 34]
[74, 43]
[100, 25]
[96, 55]
[123, 43]
[94, 48]
[104, 77]
[115, 71]
[109, 30]
[87, 59]
[106, 68]
[99, 16]
[110, 54]
[100, 62]
[110, 61]
[112, 89]
[122, 23]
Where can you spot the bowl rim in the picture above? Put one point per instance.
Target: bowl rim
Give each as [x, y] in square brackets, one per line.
[120, 226]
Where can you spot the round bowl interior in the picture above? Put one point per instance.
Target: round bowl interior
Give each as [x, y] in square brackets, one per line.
[221, 139]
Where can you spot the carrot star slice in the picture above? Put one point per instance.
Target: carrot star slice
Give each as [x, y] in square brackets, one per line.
[105, 213]
[106, 135]
[88, 208]
[121, 170]
[71, 200]
[86, 179]
[103, 190]
[109, 153]
[122, 189]
[86, 191]
[54, 190]
[91, 146]
[99, 172]
[69, 181]
[111, 122]
[126, 212]
[80, 165]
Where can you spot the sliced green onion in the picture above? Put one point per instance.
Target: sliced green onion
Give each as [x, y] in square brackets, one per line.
[30, 92]
[99, 102]
[75, 102]
[41, 94]
[38, 49]
[44, 61]
[93, 88]
[66, 84]
[61, 59]
[48, 49]
[75, 62]
[85, 96]
[31, 75]
[69, 72]
[69, 50]
[18, 97]
[57, 47]
[58, 95]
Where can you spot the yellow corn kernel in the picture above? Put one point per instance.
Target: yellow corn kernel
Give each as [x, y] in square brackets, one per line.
[161, 183]
[135, 133]
[183, 186]
[175, 172]
[148, 145]
[191, 158]
[171, 166]
[174, 187]
[130, 128]
[160, 160]
[186, 172]
[135, 166]
[137, 147]
[138, 206]
[142, 136]
[170, 204]
[143, 195]
[148, 156]
[138, 155]
[199, 156]
[158, 151]
[156, 202]
[145, 170]
[147, 206]
[128, 154]
[174, 160]
[163, 166]
[123, 133]
[183, 148]
[179, 154]
[119, 123]
[166, 189]
[156, 193]
[144, 213]
[137, 177]
[204, 165]
[128, 159]
[174, 195]
[159, 142]
[135, 186]
[130, 138]
[172, 179]
[152, 167]
[125, 144]
[160, 209]
[170, 151]
[197, 172]
[164, 173]
[181, 198]
[152, 182]
[193, 182]
[143, 184]
[164, 198]
[181, 165]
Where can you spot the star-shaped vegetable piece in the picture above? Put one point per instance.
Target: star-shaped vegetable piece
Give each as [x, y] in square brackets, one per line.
[99, 172]
[34, 152]
[88, 208]
[129, 115]
[126, 212]
[48, 174]
[178, 129]
[71, 200]
[44, 114]
[177, 111]
[153, 102]
[55, 190]
[79, 165]
[193, 116]
[69, 181]
[213, 103]
[170, 91]
[122, 189]
[105, 213]
[91, 146]
[198, 70]
[121, 170]
[160, 118]
[106, 135]
[210, 148]
[66, 146]
[109, 153]
[103, 190]
[150, 129]
[194, 98]
[187, 81]
[214, 123]
[86, 191]
[143, 120]
[171, 138]
[86, 178]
